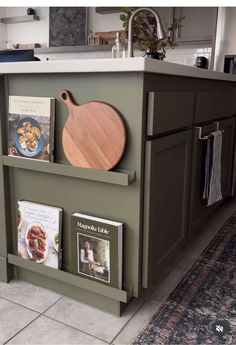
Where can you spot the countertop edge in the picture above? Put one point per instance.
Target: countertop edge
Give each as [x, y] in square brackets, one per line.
[107, 65]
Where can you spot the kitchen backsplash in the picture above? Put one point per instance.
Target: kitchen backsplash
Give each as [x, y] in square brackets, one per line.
[187, 56]
[184, 56]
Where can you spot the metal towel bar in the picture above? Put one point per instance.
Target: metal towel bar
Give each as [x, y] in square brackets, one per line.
[205, 137]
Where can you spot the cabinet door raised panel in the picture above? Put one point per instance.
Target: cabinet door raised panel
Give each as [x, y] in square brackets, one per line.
[198, 25]
[228, 127]
[165, 202]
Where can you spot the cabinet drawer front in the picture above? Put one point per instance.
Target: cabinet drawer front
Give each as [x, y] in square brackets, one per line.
[168, 111]
[214, 105]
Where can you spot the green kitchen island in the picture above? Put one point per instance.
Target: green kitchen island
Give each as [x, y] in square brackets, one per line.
[155, 190]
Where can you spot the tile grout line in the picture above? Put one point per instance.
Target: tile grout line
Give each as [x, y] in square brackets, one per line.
[52, 305]
[51, 318]
[24, 306]
[21, 330]
[145, 300]
[38, 316]
[76, 329]
[19, 305]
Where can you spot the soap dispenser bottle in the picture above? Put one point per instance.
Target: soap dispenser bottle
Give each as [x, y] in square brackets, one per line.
[118, 50]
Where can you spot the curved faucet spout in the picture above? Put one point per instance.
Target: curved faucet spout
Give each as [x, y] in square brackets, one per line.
[160, 29]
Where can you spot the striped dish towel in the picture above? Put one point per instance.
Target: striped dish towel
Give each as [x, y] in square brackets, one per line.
[215, 193]
[208, 165]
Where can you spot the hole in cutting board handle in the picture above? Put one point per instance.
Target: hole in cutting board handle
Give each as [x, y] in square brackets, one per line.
[64, 95]
[67, 98]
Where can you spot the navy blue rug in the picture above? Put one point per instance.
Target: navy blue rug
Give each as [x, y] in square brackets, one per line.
[202, 308]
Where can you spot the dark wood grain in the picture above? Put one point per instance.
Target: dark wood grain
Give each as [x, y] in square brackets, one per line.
[94, 134]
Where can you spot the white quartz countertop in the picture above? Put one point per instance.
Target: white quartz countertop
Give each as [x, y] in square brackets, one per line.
[138, 64]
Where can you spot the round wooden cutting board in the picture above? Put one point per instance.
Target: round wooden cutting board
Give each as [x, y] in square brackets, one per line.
[94, 134]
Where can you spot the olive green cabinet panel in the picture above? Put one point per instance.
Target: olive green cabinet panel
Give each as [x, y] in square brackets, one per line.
[166, 202]
[199, 212]
[214, 105]
[169, 111]
[108, 194]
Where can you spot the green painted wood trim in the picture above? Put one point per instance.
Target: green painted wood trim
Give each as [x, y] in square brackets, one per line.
[3, 270]
[71, 279]
[122, 177]
[6, 271]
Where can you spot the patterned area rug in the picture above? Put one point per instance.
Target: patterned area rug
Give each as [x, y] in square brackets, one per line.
[202, 308]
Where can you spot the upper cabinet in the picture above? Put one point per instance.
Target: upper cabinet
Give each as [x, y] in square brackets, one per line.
[199, 23]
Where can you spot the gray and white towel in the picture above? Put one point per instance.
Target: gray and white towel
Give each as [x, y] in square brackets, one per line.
[207, 167]
[215, 193]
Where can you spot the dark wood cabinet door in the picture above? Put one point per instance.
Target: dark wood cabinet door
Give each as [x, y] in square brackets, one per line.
[228, 127]
[165, 202]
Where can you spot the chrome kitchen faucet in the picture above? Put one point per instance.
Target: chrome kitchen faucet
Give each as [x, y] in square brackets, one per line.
[160, 29]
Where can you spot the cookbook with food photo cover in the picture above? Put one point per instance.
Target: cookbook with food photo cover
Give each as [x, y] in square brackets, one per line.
[31, 127]
[39, 233]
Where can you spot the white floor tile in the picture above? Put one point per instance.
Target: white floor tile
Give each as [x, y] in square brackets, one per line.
[48, 332]
[13, 318]
[136, 323]
[28, 295]
[91, 320]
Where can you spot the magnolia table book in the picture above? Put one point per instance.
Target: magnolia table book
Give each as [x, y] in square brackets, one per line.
[39, 233]
[97, 244]
[31, 127]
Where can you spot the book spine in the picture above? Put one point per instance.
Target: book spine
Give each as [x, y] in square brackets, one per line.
[52, 130]
[60, 241]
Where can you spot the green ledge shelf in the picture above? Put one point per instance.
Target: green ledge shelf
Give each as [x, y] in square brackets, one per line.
[69, 278]
[118, 177]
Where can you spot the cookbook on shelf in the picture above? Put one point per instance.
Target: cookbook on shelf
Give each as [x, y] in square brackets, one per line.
[31, 127]
[39, 233]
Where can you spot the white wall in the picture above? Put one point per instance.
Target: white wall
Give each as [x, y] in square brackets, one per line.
[225, 36]
[38, 31]
[32, 32]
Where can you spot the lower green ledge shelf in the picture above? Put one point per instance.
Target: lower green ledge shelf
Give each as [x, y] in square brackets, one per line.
[71, 279]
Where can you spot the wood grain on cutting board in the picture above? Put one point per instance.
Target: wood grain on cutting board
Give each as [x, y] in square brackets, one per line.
[94, 134]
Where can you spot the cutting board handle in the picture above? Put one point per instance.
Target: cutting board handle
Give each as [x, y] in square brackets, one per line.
[67, 98]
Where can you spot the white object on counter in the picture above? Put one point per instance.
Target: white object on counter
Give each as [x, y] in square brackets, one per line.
[118, 50]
